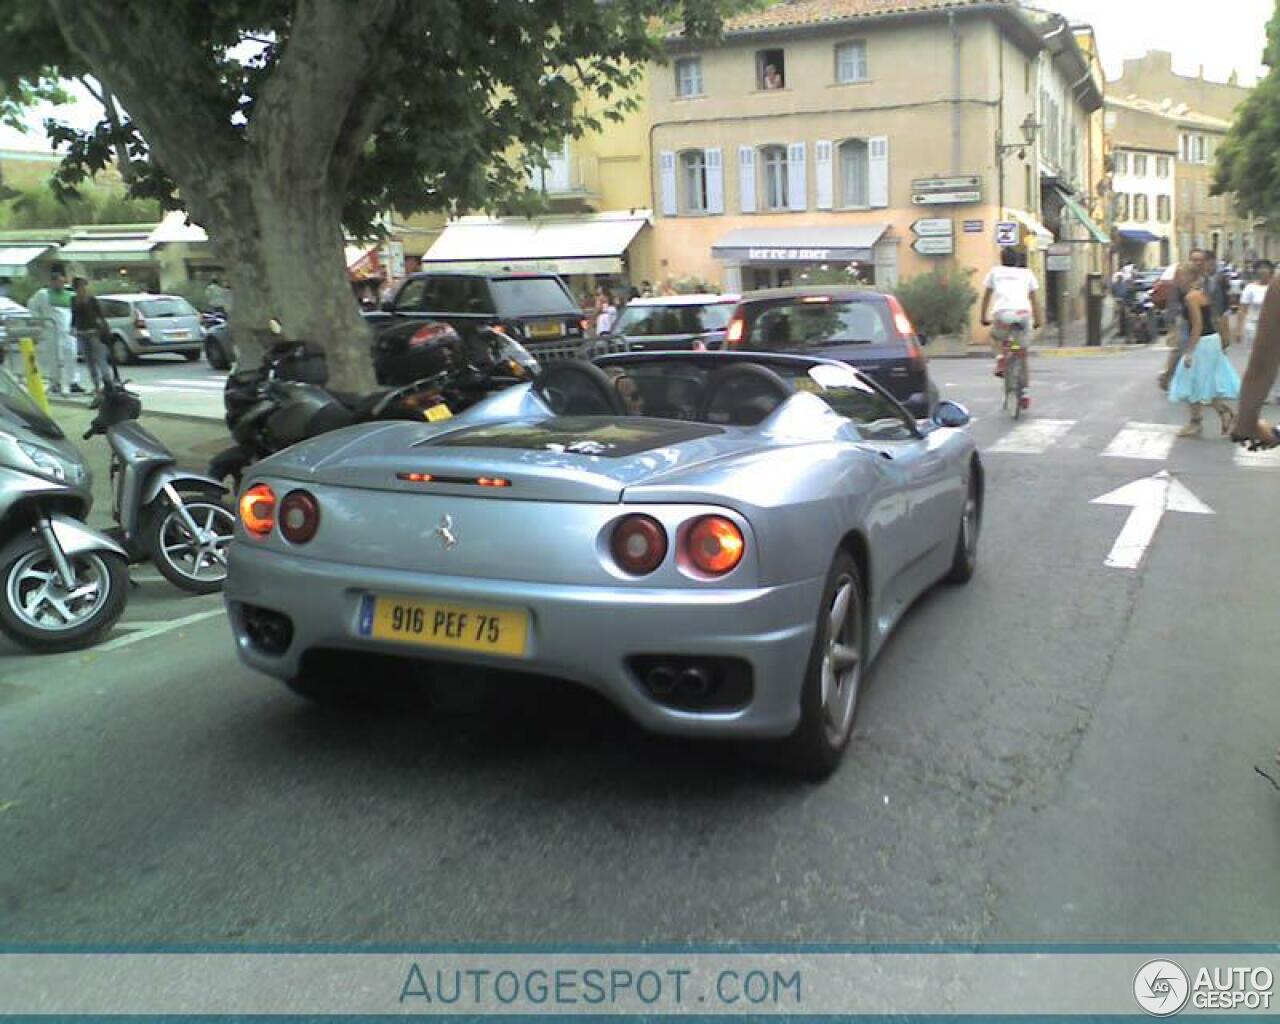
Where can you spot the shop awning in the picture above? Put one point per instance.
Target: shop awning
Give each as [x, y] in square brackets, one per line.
[16, 259]
[1138, 235]
[1029, 223]
[592, 244]
[1082, 215]
[107, 250]
[836, 244]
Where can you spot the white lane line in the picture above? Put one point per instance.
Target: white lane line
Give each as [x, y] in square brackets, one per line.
[1153, 441]
[156, 389]
[1034, 437]
[1269, 459]
[155, 629]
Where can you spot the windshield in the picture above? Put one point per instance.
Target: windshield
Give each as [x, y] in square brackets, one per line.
[16, 404]
[790, 324]
[523, 296]
[167, 307]
[654, 321]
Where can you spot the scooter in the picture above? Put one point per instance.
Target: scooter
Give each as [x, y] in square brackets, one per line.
[285, 400]
[174, 518]
[62, 584]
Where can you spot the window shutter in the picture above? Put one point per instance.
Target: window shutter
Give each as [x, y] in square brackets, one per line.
[878, 171]
[823, 185]
[796, 199]
[715, 181]
[747, 179]
[667, 184]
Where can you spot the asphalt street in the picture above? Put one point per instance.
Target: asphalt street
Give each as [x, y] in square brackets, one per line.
[1061, 751]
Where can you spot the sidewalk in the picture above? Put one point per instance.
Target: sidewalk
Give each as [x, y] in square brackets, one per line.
[1071, 341]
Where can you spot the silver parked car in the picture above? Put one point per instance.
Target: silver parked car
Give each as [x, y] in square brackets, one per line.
[717, 542]
[142, 324]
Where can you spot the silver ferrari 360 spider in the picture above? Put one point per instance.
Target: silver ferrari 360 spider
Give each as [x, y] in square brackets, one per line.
[719, 543]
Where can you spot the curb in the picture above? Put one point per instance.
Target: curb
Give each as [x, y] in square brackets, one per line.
[182, 417]
[984, 352]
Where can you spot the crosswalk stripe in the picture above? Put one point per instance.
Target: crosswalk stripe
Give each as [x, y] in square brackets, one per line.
[1153, 441]
[1035, 437]
[1258, 460]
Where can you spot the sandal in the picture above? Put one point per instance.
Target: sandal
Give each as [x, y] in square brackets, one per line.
[1227, 418]
[1254, 443]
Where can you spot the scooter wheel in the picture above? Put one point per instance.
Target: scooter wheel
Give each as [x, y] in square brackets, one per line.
[39, 613]
[197, 565]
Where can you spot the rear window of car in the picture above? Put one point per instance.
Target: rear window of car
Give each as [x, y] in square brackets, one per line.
[525, 296]
[654, 321]
[167, 307]
[814, 321]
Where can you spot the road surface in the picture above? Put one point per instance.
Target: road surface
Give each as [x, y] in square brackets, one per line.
[1060, 751]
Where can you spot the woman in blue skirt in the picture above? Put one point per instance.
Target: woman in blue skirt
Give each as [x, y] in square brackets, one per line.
[1204, 375]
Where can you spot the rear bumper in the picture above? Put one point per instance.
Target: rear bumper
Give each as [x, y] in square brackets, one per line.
[579, 633]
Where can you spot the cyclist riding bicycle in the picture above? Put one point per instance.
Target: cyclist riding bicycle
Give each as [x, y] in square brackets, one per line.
[1011, 297]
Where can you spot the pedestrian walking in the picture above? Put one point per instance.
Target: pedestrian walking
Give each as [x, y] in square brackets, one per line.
[51, 308]
[92, 334]
[1204, 375]
[1251, 300]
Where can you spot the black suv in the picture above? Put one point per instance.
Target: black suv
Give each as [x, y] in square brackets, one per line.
[534, 308]
[859, 326]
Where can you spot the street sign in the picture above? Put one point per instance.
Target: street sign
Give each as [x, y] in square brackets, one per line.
[946, 198]
[1006, 233]
[974, 227]
[934, 227]
[1150, 499]
[939, 245]
[956, 183]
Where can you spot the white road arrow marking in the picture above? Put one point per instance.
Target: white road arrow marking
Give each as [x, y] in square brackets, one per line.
[1150, 498]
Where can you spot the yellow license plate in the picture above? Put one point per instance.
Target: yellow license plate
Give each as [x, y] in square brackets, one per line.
[546, 329]
[502, 631]
[437, 413]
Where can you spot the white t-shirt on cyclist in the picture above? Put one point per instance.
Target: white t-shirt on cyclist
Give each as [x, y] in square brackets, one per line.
[1011, 289]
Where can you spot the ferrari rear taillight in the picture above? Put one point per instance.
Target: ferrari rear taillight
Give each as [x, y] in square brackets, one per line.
[638, 544]
[733, 336]
[714, 545]
[258, 510]
[299, 517]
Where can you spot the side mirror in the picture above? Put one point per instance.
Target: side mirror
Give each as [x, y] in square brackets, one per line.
[950, 414]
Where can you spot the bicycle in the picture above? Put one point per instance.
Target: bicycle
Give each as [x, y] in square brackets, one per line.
[1011, 330]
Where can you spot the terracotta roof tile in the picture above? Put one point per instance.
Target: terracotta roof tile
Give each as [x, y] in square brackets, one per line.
[799, 13]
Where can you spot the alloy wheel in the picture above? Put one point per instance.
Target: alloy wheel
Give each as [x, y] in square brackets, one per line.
[842, 660]
[38, 597]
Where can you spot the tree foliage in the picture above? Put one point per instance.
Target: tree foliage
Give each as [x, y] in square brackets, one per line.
[939, 302]
[456, 100]
[1248, 162]
[32, 208]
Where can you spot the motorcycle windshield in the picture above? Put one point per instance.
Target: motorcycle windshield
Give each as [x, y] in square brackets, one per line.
[17, 405]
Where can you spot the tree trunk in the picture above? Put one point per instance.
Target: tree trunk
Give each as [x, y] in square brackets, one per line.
[284, 256]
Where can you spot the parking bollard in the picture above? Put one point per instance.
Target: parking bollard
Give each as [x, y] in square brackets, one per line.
[35, 382]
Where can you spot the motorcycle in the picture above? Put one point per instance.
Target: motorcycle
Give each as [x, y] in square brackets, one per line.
[63, 585]
[174, 518]
[285, 400]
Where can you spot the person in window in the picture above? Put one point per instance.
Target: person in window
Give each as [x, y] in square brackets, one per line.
[772, 77]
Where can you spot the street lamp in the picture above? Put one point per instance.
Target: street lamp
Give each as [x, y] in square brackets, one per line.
[1030, 128]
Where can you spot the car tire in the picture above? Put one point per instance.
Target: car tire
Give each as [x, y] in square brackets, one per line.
[964, 561]
[191, 357]
[829, 703]
[121, 354]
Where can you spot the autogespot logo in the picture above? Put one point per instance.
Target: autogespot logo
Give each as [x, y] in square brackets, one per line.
[1161, 988]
